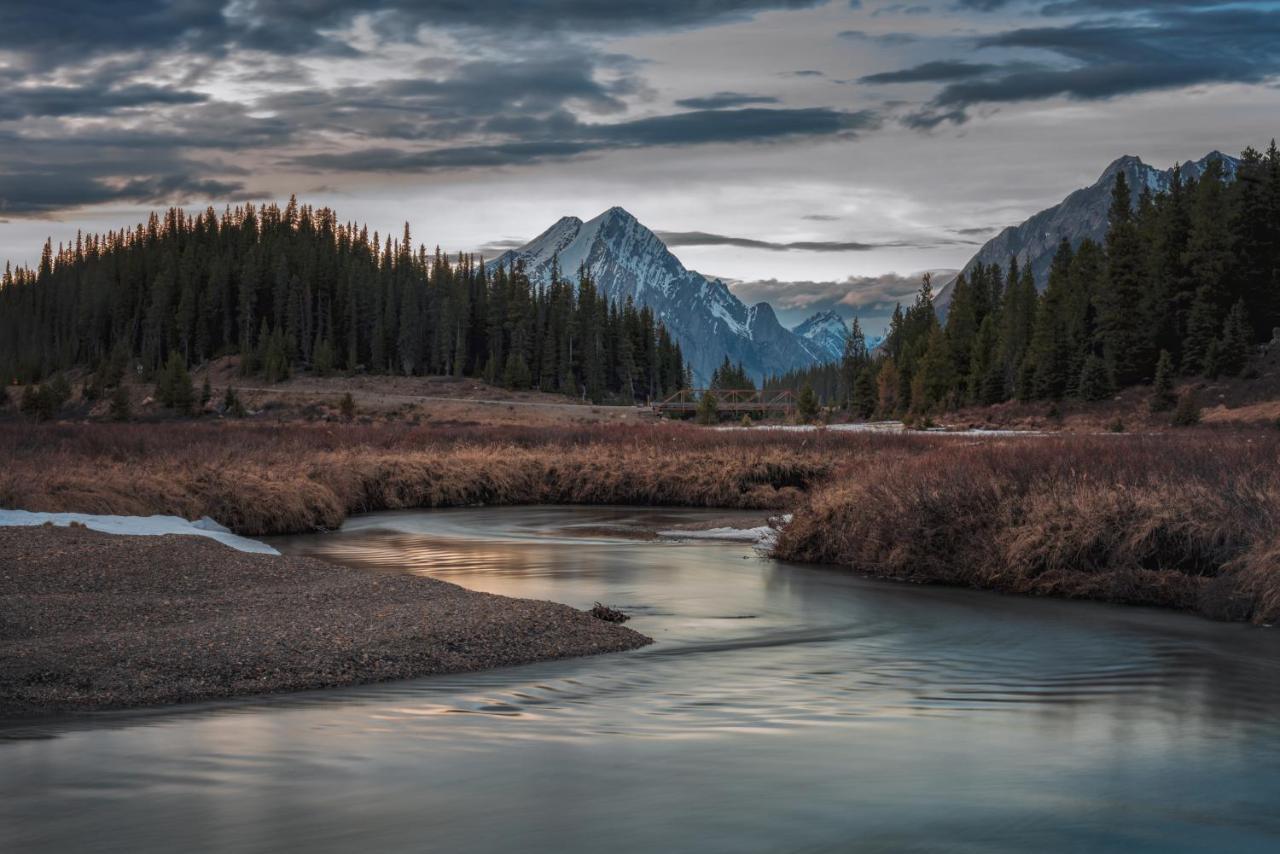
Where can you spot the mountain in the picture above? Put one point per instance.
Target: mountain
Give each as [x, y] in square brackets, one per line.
[824, 334]
[1081, 214]
[625, 259]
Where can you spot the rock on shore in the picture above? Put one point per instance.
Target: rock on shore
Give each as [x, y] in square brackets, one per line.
[91, 621]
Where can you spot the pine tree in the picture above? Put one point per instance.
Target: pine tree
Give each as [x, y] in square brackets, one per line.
[1124, 332]
[853, 364]
[807, 404]
[1237, 336]
[174, 388]
[708, 411]
[863, 402]
[121, 408]
[1162, 396]
[1187, 412]
[1095, 380]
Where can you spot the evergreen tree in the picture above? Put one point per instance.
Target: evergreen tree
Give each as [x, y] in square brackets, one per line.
[1125, 334]
[853, 364]
[708, 408]
[1237, 336]
[174, 388]
[121, 408]
[1095, 380]
[1162, 396]
[807, 404]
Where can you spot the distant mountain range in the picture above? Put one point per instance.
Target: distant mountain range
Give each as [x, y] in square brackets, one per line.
[628, 260]
[1083, 214]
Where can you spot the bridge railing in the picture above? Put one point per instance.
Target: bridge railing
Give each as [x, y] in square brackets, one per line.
[728, 400]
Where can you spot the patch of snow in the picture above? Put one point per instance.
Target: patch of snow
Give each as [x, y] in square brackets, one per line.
[763, 535]
[139, 526]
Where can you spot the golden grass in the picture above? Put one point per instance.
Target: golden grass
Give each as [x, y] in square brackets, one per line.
[1188, 520]
[260, 480]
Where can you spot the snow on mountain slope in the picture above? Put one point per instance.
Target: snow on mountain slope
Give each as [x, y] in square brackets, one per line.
[824, 334]
[625, 259]
[1081, 214]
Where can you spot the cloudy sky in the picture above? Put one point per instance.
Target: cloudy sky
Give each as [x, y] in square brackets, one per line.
[819, 153]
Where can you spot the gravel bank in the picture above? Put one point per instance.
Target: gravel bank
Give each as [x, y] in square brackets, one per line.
[93, 621]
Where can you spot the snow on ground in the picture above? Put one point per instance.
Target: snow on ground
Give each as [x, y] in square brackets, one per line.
[139, 526]
[881, 427]
[762, 537]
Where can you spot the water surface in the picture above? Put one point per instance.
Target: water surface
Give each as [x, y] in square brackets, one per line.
[782, 708]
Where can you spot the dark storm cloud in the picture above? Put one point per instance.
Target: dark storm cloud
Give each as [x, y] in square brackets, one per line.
[35, 101]
[54, 30]
[1159, 50]
[563, 136]
[31, 193]
[724, 100]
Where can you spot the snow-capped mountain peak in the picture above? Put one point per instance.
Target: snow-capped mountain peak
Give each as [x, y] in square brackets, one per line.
[824, 334]
[626, 259]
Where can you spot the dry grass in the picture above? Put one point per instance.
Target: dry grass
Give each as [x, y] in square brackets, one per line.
[1185, 521]
[260, 480]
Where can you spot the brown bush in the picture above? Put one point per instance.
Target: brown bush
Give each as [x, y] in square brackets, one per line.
[1174, 521]
[265, 480]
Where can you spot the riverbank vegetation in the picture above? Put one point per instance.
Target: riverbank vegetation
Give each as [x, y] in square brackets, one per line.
[1185, 520]
[1181, 521]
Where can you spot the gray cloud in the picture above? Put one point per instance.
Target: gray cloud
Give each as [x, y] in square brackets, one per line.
[53, 32]
[42, 193]
[702, 238]
[888, 39]
[724, 100]
[931, 72]
[1158, 50]
[562, 136]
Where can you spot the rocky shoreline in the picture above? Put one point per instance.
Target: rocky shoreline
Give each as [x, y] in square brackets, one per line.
[96, 621]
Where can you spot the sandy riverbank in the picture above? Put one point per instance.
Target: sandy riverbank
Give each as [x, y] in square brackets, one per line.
[94, 621]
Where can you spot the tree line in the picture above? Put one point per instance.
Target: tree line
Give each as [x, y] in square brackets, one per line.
[292, 287]
[1186, 283]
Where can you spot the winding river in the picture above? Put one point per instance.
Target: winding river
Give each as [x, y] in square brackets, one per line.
[782, 708]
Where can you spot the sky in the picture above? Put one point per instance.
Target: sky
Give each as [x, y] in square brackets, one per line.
[818, 155]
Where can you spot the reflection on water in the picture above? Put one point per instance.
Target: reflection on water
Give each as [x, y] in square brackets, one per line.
[782, 708]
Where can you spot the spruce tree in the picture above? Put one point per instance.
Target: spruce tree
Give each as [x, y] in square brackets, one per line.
[1095, 380]
[1162, 396]
[1237, 336]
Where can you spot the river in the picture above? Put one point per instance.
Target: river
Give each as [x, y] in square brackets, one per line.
[782, 708]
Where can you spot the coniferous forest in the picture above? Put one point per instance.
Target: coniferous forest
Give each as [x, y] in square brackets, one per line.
[1187, 283]
[292, 287]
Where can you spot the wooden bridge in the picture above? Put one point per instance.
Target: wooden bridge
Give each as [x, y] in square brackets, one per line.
[685, 401]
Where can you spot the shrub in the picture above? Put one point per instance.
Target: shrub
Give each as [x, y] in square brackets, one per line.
[708, 408]
[121, 407]
[1187, 412]
[1095, 380]
[174, 388]
[807, 404]
[231, 405]
[1162, 396]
